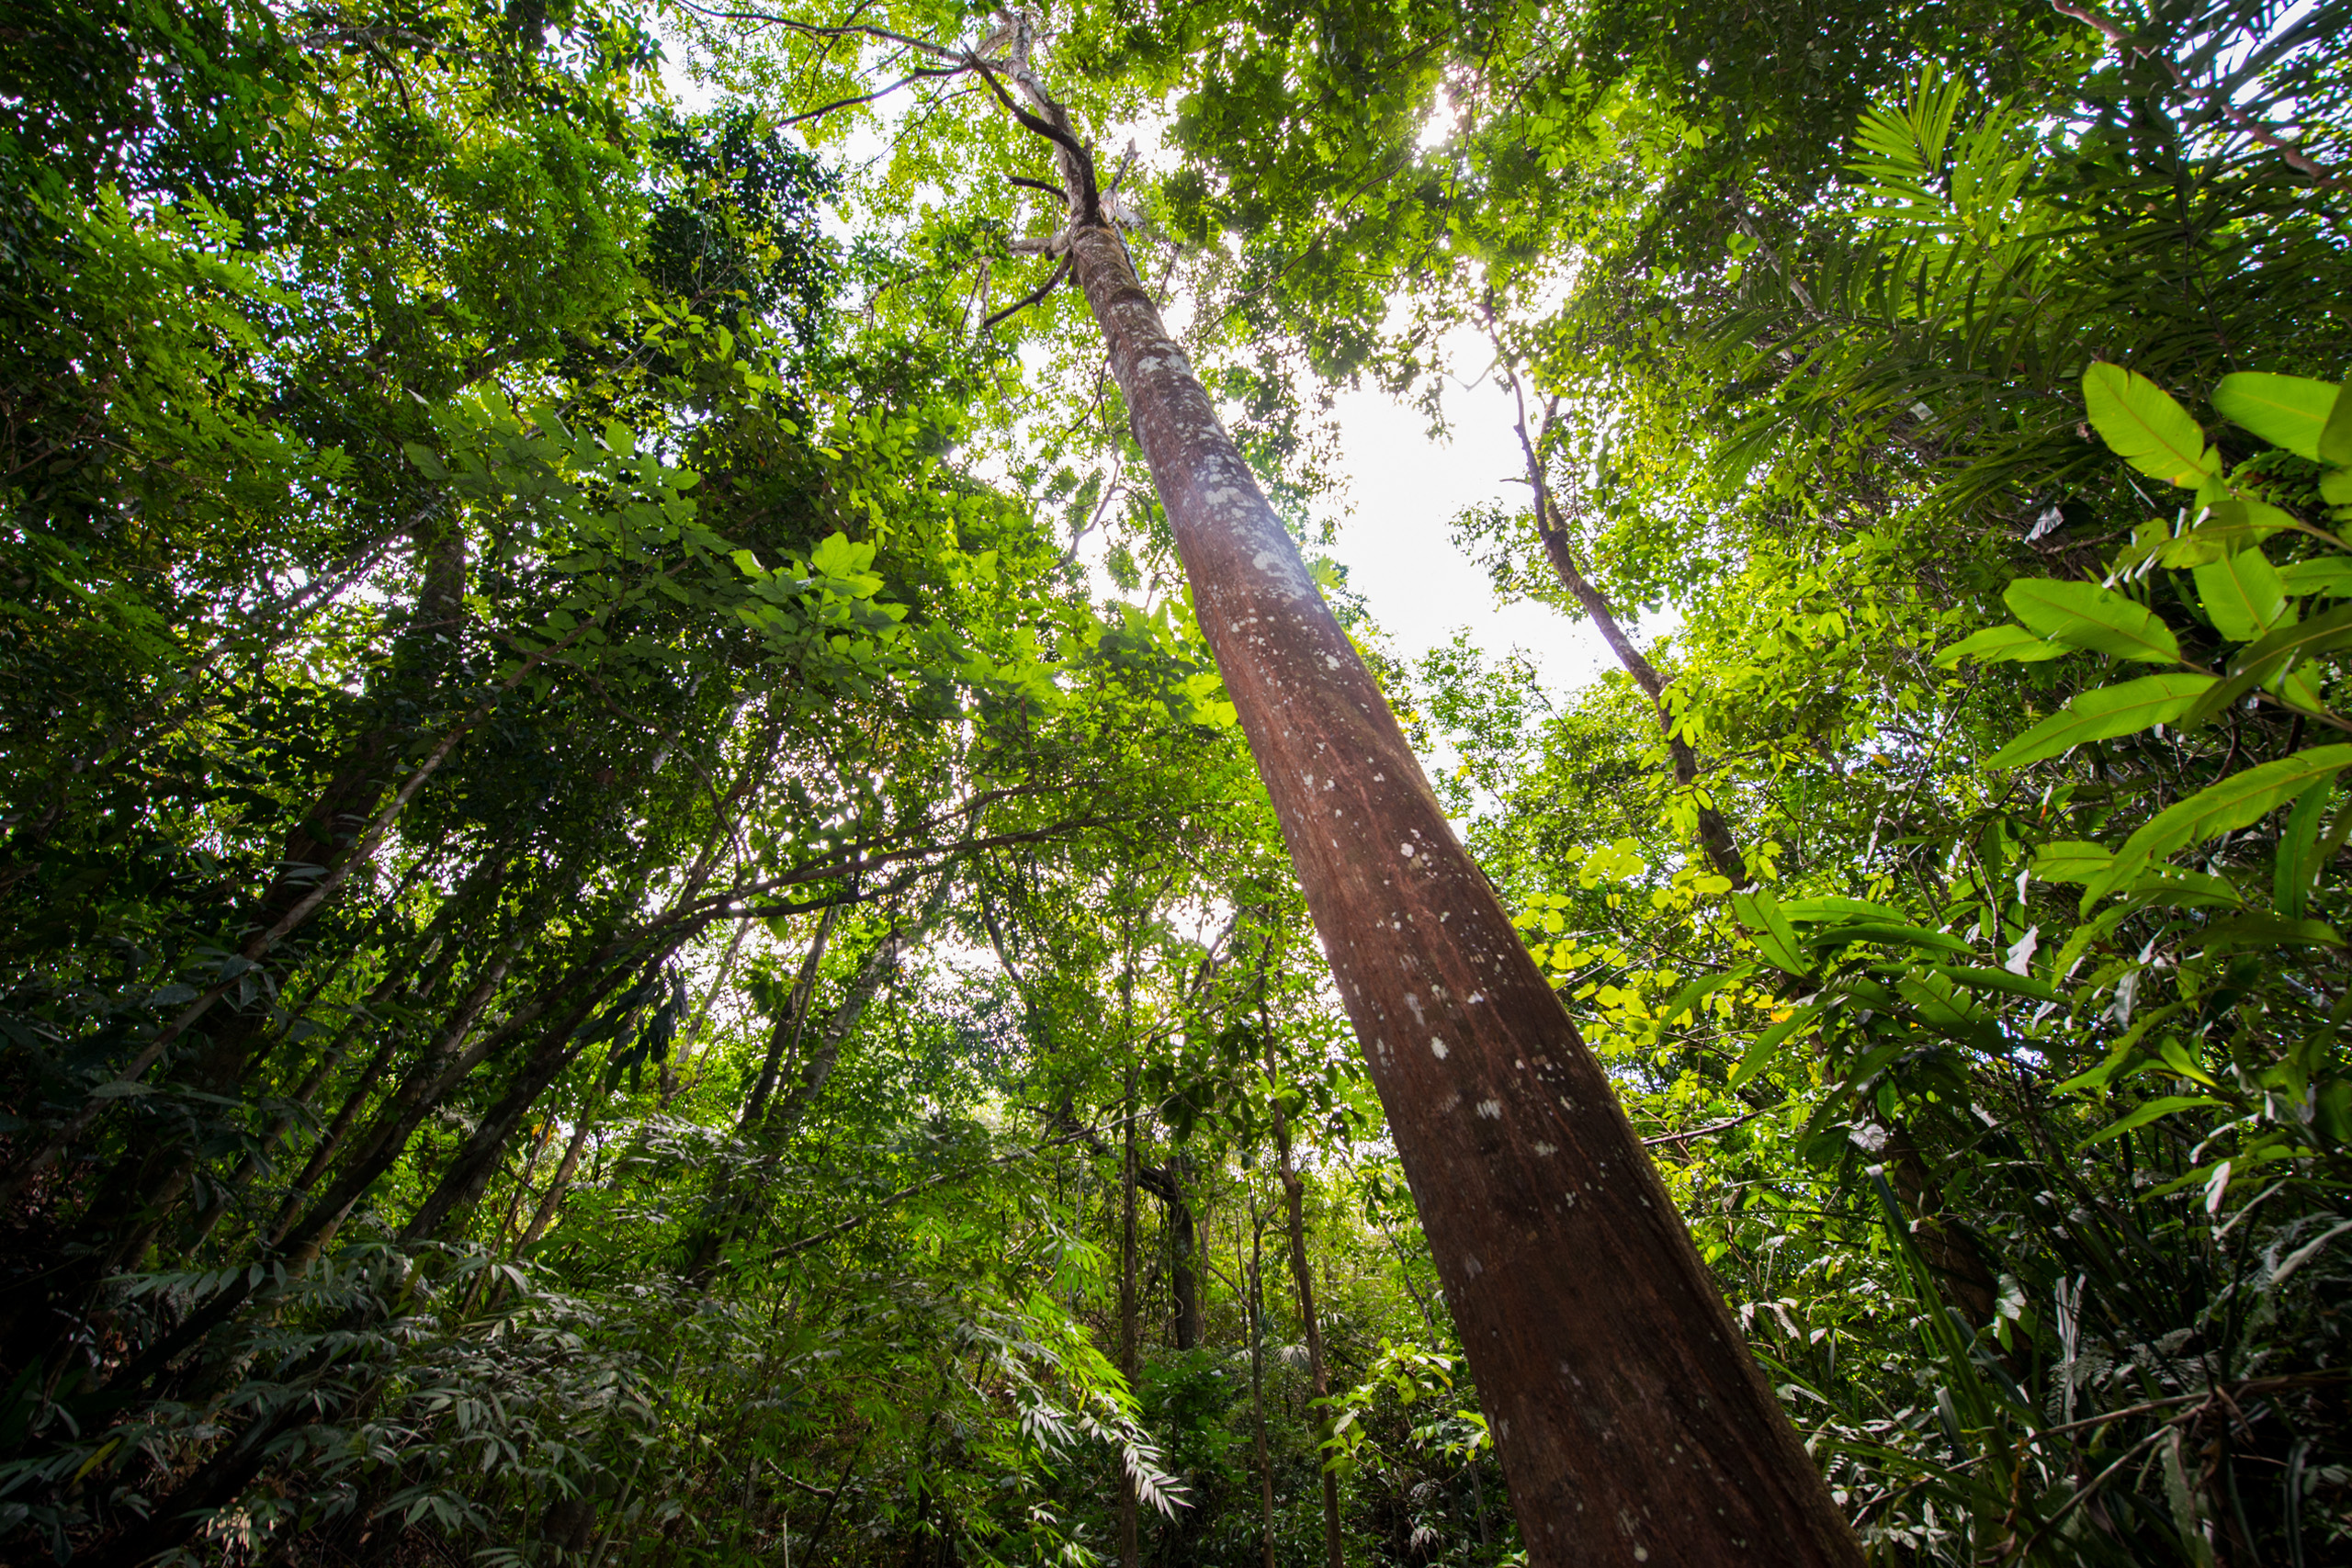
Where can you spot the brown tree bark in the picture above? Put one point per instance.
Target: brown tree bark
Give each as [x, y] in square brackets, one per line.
[1631, 1423]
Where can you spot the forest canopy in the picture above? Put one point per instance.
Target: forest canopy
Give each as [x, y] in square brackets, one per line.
[656, 913]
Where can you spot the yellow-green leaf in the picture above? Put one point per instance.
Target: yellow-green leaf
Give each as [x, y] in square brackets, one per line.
[2142, 426]
[2286, 411]
[2084, 614]
[2242, 596]
[1999, 645]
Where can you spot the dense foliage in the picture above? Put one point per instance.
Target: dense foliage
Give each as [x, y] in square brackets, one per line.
[638, 932]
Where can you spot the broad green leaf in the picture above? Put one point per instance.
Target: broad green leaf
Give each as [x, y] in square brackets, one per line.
[1939, 1004]
[2336, 437]
[1998, 980]
[2286, 411]
[2142, 426]
[1698, 991]
[2071, 861]
[2295, 865]
[2228, 526]
[2287, 644]
[2170, 1105]
[1759, 1054]
[2171, 887]
[2232, 803]
[1775, 937]
[2084, 614]
[2259, 929]
[1892, 935]
[2243, 595]
[2217, 698]
[2329, 577]
[1840, 909]
[2335, 485]
[1999, 645]
[2105, 711]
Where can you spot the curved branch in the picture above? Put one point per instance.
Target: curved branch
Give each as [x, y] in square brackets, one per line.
[1032, 298]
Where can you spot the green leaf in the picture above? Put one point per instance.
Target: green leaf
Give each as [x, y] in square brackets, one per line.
[2172, 887]
[2083, 614]
[2258, 928]
[1999, 645]
[1754, 1059]
[2329, 577]
[2142, 426]
[1775, 937]
[1840, 909]
[2295, 866]
[2105, 711]
[427, 462]
[2171, 1104]
[2228, 524]
[1698, 991]
[2242, 596]
[2286, 411]
[2287, 644]
[2336, 437]
[1998, 980]
[2070, 860]
[2232, 803]
[1892, 935]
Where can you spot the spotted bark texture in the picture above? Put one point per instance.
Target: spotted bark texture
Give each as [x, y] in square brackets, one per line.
[1631, 1422]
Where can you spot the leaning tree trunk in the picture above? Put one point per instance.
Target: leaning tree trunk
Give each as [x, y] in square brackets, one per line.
[1631, 1423]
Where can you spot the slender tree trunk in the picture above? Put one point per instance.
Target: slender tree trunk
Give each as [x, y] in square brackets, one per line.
[552, 1199]
[1318, 1379]
[1714, 833]
[1633, 1423]
[1170, 1184]
[1130, 1554]
[785, 1036]
[679, 1072]
[1257, 1304]
[879, 965]
[1951, 1253]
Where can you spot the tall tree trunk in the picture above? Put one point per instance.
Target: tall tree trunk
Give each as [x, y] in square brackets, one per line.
[1293, 1199]
[1633, 1423]
[1257, 1304]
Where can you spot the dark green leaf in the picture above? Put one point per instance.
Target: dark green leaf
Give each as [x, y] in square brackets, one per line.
[2104, 712]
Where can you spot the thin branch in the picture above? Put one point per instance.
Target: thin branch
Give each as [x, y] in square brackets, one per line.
[1032, 298]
